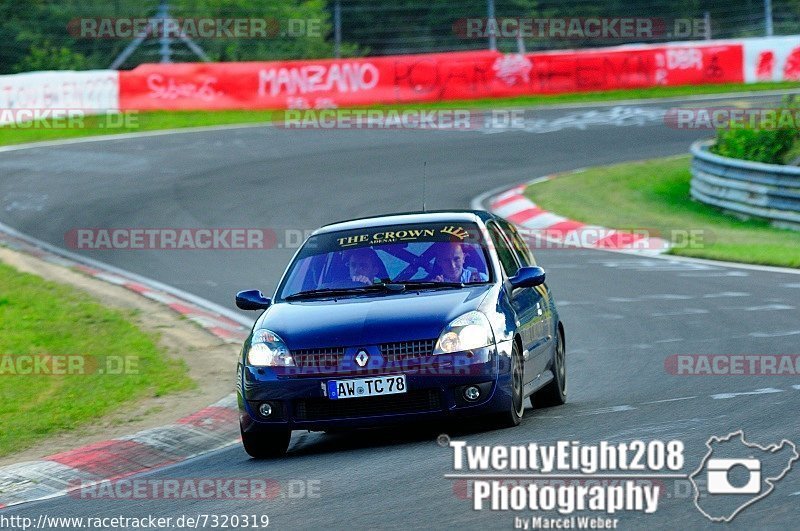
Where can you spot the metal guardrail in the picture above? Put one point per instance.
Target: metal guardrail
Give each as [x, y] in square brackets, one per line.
[751, 189]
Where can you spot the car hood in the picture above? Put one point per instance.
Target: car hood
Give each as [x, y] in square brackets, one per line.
[369, 320]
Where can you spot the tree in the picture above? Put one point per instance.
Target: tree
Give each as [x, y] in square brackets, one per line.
[418, 26]
[46, 34]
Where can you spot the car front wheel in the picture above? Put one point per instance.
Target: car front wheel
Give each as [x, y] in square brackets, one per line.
[512, 417]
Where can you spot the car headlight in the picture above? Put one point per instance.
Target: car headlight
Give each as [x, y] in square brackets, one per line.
[267, 349]
[468, 332]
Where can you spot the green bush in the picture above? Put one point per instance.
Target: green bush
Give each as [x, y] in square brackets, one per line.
[758, 146]
[761, 142]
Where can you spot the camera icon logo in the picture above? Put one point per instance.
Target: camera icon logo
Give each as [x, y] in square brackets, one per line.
[736, 473]
[719, 472]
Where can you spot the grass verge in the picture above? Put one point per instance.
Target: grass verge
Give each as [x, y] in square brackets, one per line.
[159, 120]
[39, 318]
[654, 194]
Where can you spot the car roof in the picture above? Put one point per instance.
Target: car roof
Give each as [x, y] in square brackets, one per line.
[434, 216]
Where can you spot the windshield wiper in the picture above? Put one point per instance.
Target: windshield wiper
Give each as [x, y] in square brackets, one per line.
[431, 284]
[328, 292]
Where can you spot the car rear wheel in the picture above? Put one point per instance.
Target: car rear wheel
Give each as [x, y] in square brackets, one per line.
[266, 445]
[513, 417]
[554, 393]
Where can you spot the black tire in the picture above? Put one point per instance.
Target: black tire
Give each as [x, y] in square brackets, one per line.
[266, 445]
[555, 392]
[512, 417]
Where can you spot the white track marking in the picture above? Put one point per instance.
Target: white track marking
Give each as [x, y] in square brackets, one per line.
[774, 334]
[657, 297]
[603, 410]
[765, 391]
[765, 308]
[670, 400]
[631, 407]
[686, 311]
[127, 136]
[715, 275]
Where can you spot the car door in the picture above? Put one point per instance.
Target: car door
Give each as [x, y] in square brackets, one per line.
[523, 301]
[526, 258]
[540, 311]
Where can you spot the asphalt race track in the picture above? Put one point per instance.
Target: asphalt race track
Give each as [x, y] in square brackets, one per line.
[624, 315]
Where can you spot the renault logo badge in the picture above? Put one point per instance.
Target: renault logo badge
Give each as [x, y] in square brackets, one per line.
[362, 358]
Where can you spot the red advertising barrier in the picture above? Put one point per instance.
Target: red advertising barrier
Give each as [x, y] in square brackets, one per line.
[419, 78]
[772, 59]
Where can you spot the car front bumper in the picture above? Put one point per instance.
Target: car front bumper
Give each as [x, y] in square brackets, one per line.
[435, 386]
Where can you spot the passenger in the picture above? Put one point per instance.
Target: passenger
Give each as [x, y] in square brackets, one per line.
[449, 265]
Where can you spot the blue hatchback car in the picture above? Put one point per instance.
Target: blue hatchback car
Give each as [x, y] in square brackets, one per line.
[400, 318]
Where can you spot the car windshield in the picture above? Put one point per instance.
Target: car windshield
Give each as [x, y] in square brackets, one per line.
[431, 255]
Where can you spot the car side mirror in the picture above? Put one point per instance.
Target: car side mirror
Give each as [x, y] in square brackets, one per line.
[527, 277]
[252, 299]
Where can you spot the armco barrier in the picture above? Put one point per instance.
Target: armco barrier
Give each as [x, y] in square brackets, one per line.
[753, 189]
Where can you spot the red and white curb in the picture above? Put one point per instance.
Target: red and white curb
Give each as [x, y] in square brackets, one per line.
[222, 327]
[560, 232]
[207, 430]
[543, 226]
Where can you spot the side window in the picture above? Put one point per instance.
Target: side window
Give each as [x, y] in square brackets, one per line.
[522, 250]
[504, 252]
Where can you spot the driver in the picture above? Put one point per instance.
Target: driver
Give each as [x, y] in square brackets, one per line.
[449, 265]
[362, 265]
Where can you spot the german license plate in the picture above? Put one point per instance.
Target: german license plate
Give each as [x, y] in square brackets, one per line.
[378, 386]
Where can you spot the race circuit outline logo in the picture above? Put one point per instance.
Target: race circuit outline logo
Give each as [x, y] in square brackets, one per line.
[720, 488]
